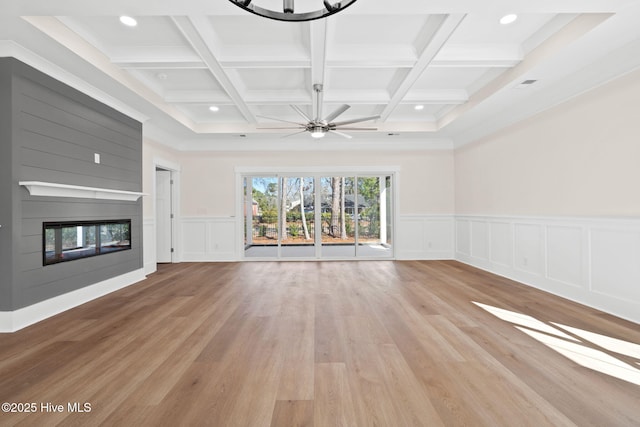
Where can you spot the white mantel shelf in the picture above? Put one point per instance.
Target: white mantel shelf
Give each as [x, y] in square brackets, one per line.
[51, 189]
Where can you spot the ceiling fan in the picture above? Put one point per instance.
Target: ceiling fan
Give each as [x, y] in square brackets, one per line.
[319, 126]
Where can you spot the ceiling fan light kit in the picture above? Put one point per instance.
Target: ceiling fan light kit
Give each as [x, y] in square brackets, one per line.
[288, 13]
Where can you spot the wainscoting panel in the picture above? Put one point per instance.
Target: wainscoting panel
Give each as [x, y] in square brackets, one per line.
[208, 239]
[149, 245]
[501, 246]
[615, 264]
[425, 237]
[463, 237]
[529, 248]
[594, 261]
[566, 255]
[480, 239]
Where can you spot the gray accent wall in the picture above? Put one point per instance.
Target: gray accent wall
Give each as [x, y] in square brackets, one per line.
[56, 130]
[6, 194]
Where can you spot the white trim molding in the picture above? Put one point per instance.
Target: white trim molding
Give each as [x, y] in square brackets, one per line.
[425, 237]
[11, 321]
[52, 189]
[593, 261]
[208, 239]
[149, 245]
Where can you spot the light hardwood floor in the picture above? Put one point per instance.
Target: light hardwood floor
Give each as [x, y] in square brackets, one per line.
[369, 343]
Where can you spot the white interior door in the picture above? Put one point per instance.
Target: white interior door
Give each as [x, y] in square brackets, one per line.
[164, 216]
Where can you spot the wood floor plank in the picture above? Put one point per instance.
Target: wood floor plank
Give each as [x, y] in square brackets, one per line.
[382, 343]
[333, 404]
[293, 413]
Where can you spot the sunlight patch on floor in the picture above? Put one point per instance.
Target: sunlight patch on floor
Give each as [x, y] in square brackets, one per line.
[612, 344]
[580, 352]
[523, 320]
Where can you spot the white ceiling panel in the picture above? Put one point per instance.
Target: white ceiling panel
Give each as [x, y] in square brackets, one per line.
[454, 58]
[444, 78]
[273, 78]
[485, 28]
[202, 114]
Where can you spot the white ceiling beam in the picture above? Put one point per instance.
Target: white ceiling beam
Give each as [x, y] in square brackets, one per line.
[146, 56]
[444, 30]
[266, 63]
[365, 56]
[437, 97]
[161, 65]
[198, 32]
[340, 96]
[318, 33]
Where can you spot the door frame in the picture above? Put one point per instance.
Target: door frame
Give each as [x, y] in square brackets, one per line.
[176, 233]
[311, 171]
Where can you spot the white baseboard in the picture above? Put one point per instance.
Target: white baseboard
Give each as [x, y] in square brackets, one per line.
[11, 321]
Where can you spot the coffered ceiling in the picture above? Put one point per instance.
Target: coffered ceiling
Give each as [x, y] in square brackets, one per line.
[436, 72]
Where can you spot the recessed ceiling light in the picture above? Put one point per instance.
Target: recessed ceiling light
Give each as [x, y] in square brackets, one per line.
[214, 108]
[128, 21]
[418, 107]
[508, 19]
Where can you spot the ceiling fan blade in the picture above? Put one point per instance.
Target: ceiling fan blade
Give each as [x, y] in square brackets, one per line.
[295, 133]
[348, 122]
[299, 111]
[342, 134]
[348, 128]
[336, 113]
[280, 120]
[290, 127]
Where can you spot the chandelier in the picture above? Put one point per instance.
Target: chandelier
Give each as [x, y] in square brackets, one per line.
[288, 10]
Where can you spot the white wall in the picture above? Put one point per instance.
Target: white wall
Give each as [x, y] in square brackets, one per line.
[554, 201]
[426, 177]
[579, 159]
[426, 197]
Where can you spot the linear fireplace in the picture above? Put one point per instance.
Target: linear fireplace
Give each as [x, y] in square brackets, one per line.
[72, 240]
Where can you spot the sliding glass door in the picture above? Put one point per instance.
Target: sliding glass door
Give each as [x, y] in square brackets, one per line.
[297, 217]
[261, 234]
[321, 216]
[374, 224]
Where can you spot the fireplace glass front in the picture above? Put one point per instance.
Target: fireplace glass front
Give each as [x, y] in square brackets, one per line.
[68, 241]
